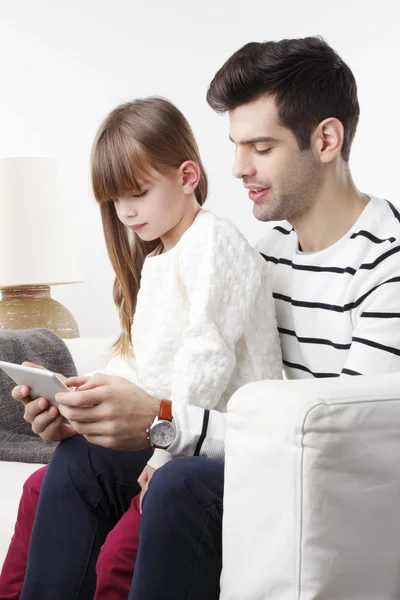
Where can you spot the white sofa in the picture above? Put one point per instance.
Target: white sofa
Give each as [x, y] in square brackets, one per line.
[312, 490]
[89, 354]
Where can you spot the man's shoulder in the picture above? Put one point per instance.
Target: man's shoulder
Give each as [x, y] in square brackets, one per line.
[381, 222]
[375, 242]
[280, 236]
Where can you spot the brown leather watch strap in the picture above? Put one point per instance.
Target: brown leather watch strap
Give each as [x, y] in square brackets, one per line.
[165, 410]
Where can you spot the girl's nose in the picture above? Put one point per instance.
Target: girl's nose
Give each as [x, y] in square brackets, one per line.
[128, 209]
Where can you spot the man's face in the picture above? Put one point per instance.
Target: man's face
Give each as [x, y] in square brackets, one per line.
[282, 180]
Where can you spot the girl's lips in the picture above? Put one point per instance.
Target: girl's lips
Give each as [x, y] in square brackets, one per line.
[138, 227]
[257, 195]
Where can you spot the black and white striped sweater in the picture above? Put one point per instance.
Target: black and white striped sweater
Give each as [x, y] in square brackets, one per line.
[338, 310]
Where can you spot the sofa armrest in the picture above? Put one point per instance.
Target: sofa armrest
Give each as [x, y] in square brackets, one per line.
[312, 490]
[89, 354]
[13, 475]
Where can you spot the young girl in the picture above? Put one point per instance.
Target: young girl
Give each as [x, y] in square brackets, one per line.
[196, 311]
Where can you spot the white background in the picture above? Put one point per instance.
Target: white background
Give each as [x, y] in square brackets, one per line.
[65, 65]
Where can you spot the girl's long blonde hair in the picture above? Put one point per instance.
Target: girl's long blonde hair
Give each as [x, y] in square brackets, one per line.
[134, 138]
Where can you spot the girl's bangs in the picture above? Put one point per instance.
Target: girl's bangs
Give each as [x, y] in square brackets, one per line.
[119, 166]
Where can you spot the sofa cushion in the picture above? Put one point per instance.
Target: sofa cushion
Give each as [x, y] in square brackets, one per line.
[40, 346]
[312, 490]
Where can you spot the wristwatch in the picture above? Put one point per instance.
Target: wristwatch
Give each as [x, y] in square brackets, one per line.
[162, 432]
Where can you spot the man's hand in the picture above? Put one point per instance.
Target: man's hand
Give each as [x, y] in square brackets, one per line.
[109, 411]
[45, 419]
[144, 481]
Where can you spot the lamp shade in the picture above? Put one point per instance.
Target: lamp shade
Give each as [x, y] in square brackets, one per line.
[36, 244]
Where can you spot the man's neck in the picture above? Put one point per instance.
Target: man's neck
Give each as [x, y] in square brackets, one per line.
[333, 214]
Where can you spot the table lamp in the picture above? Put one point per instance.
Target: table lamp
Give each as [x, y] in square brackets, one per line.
[37, 249]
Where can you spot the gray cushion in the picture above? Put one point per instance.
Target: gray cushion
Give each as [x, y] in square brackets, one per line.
[40, 346]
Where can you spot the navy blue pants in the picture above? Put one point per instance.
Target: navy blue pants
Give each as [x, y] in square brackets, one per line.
[85, 492]
[180, 549]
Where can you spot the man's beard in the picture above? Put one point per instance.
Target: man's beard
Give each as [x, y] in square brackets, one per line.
[296, 194]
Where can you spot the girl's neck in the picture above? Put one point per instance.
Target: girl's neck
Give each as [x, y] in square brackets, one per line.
[172, 237]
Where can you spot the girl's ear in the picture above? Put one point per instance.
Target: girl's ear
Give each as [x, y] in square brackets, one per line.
[189, 175]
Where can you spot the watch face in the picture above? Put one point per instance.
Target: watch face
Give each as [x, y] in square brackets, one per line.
[162, 434]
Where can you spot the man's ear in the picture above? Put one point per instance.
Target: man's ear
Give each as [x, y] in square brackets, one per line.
[327, 139]
[189, 174]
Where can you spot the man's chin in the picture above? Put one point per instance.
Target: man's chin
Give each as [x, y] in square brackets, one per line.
[265, 213]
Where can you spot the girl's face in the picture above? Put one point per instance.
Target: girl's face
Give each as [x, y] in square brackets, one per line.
[164, 206]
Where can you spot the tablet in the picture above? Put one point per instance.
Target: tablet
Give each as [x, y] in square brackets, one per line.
[42, 383]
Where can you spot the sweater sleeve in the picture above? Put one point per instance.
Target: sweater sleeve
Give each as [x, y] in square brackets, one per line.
[200, 432]
[375, 344]
[120, 367]
[221, 274]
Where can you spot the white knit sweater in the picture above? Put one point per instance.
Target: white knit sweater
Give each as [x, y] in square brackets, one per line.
[205, 320]
[338, 311]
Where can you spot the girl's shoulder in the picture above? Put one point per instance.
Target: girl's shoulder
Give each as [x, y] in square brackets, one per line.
[211, 227]
[215, 238]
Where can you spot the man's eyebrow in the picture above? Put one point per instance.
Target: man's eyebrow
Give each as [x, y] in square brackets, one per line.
[256, 140]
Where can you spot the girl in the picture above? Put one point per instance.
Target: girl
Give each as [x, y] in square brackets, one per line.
[197, 322]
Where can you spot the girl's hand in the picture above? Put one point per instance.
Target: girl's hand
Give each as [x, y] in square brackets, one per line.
[144, 481]
[45, 419]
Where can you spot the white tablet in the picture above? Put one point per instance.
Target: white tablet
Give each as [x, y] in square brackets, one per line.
[42, 383]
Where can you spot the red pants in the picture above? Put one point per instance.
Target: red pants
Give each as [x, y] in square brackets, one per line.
[116, 561]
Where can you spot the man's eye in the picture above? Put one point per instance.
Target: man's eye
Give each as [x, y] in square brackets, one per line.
[261, 152]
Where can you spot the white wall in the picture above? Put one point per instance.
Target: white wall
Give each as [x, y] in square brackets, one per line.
[64, 65]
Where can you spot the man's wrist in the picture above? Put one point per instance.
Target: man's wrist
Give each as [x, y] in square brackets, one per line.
[155, 404]
[161, 431]
[155, 408]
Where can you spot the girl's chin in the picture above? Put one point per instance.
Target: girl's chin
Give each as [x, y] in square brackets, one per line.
[146, 236]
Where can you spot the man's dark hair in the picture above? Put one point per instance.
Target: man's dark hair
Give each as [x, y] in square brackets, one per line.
[307, 78]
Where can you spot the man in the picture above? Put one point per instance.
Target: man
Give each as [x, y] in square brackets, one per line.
[293, 113]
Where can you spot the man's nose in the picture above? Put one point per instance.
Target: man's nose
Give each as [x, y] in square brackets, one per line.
[242, 166]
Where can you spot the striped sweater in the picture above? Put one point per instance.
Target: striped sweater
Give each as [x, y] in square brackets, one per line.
[338, 311]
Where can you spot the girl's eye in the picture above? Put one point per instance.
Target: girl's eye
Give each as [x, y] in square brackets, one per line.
[261, 152]
[141, 194]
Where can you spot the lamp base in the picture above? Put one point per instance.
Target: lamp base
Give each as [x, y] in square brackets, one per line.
[26, 307]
